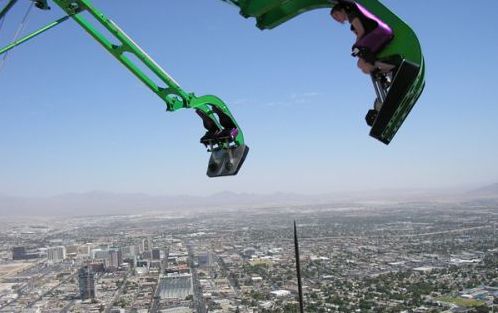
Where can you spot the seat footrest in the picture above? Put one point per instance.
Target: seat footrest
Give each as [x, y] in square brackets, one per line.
[390, 115]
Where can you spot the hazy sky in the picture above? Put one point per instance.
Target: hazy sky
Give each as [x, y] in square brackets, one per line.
[72, 119]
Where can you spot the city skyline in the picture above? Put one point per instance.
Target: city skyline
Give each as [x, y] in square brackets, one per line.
[420, 257]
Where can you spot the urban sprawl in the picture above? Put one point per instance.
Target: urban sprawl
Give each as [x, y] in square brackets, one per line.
[411, 257]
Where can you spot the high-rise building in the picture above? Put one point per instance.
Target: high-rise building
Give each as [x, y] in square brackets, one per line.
[128, 251]
[56, 254]
[115, 258]
[86, 280]
[71, 249]
[205, 259]
[22, 253]
[147, 255]
[156, 254]
[99, 254]
[147, 243]
[84, 250]
[18, 253]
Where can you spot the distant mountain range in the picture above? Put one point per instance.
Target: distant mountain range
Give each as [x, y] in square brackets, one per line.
[490, 191]
[105, 203]
[98, 203]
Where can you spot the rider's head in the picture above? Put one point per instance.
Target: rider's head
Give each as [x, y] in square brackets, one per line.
[339, 13]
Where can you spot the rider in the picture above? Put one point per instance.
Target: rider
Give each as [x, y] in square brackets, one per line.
[372, 34]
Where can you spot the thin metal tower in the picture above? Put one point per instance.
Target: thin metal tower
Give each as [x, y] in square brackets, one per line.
[298, 270]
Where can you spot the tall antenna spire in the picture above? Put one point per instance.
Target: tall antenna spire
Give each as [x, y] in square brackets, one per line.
[298, 270]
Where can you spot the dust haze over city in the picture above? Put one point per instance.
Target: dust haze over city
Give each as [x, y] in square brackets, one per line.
[105, 205]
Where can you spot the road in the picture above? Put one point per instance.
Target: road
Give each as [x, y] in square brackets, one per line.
[73, 275]
[68, 306]
[198, 298]
[116, 295]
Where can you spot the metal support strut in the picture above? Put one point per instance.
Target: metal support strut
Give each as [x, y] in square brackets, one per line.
[7, 8]
[33, 34]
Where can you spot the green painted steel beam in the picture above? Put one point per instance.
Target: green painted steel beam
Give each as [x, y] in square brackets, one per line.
[272, 13]
[226, 144]
[121, 46]
[33, 35]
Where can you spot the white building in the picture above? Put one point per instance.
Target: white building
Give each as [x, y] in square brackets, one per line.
[281, 293]
[56, 254]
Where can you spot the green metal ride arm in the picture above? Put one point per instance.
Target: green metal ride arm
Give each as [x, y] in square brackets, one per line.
[224, 136]
[172, 94]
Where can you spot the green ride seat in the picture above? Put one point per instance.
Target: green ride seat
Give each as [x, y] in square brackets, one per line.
[404, 47]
